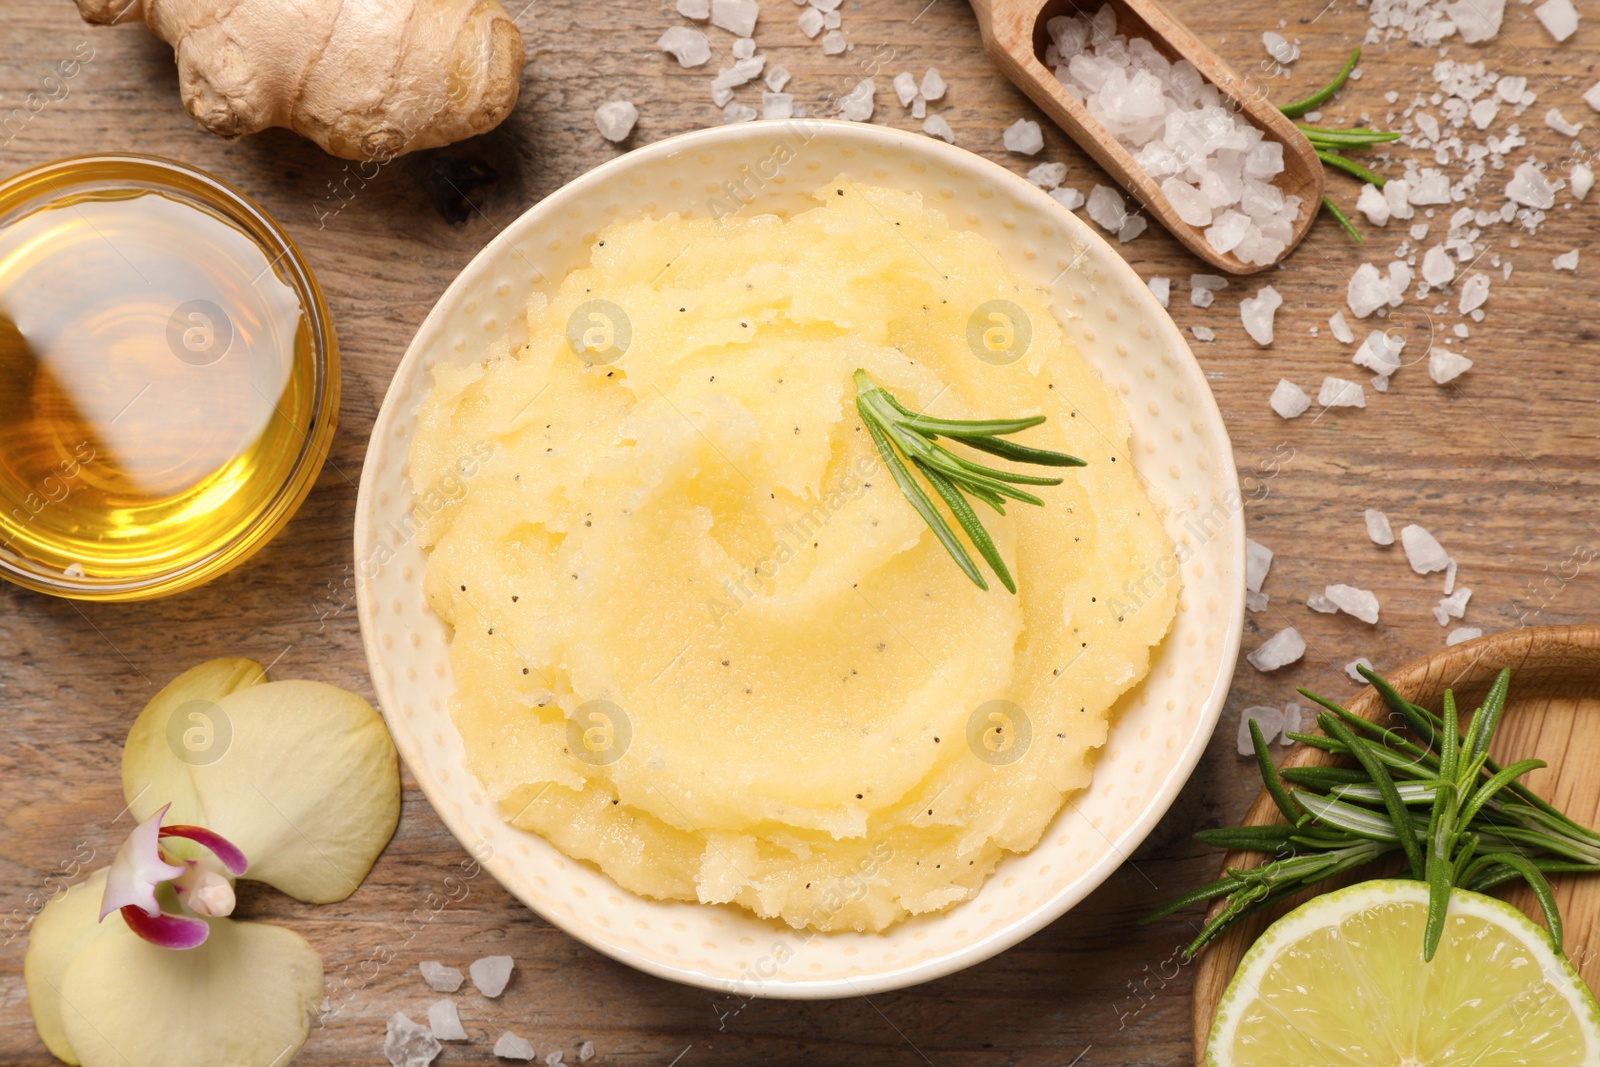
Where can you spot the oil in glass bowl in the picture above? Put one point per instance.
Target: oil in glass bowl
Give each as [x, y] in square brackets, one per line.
[168, 378]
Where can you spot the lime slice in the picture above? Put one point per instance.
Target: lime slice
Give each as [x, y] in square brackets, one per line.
[1341, 982]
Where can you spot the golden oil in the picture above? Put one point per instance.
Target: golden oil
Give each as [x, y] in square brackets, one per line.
[167, 378]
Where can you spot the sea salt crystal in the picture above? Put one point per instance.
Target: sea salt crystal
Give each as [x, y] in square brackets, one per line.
[1289, 400]
[1367, 291]
[1582, 180]
[1559, 17]
[1566, 261]
[919, 108]
[1340, 328]
[1106, 206]
[1320, 602]
[833, 43]
[1453, 606]
[1558, 122]
[1132, 227]
[1445, 366]
[694, 9]
[1257, 312]
[1398, 194]
[1423, 550]
[407, 1044]
[1257, 563]
[1372, 204]
[1203, 333]
[1229, 229]
[1355, 675]
[1340, 393]
[553, 1059]
[1295, 720]
[491, 974]
[1190, 203]
[586, 1052]
[1483, 113]
[1279, 49]
[1048, 175]
[1529, 187]
[905, 87]
[1379, 353]
[1202, 298]
[1023, 137]
[511, 1047]
[440, 978]
[1268, 720]
[857, 105]
[743, 48]
[1353, 601]
[738, 17]
[1071, 199]
[1462, 633]
[777, 78]
[1437, 266]
[445, 1021]
[1450, 578]
[1161, 289]
[689, 47]
[777, 106]
[1254, 601]
[825, 5]
[1476, 20]
[737, 112]
[1281, 649]
[615, 120]
[1213, 282]
[1378, 527]
[1474, 293]
[811, 22]
[936, 126]
[933, 84]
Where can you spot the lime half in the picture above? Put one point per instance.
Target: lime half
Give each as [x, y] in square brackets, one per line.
[1341, 982]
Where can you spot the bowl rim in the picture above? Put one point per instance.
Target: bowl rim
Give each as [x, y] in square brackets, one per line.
[204, 191]
[1050, 907]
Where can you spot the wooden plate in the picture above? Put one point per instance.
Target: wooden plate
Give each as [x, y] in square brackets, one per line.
[1552, 713]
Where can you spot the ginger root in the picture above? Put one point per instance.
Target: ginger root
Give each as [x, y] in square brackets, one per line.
[364, 79]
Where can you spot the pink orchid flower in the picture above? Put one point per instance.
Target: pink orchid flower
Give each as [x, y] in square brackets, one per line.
[140, 868]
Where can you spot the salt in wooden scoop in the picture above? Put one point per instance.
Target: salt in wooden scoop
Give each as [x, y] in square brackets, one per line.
[1015, 37]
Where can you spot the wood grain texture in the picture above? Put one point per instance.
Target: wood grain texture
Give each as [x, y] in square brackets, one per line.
[1500, 465]
[1552, 713]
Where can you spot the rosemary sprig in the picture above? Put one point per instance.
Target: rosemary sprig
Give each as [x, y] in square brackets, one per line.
[899, 432]
[1483, 827]
[1331, 144]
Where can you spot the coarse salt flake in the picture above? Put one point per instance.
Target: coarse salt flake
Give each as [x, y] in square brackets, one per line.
[1289, 401]
[1361, 603]
[1257, 563]
[1378, 528]
[1281, 649]
[689, 47]
[1423, 550]
[615, 120]
[1023, 137]
[1341, 393]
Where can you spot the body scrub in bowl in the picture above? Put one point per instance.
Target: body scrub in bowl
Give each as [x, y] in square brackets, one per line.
[701, 636]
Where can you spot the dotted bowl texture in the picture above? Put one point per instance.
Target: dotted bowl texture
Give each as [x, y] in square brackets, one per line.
[1180, 448]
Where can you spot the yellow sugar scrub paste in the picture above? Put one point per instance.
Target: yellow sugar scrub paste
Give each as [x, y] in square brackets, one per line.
[702, 640]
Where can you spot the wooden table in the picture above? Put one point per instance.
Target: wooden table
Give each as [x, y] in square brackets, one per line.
[1501, 466]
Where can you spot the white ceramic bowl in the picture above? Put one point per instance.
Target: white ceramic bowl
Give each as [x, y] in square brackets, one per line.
[1180, 448]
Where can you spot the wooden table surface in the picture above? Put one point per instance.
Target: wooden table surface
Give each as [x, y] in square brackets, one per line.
[1500, 465]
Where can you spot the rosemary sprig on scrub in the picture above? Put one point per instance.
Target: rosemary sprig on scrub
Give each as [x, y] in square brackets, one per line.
[898, 431]
[1482, 827]
[1330, 144]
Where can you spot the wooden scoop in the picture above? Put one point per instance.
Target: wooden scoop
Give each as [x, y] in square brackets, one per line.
[1015, 37]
